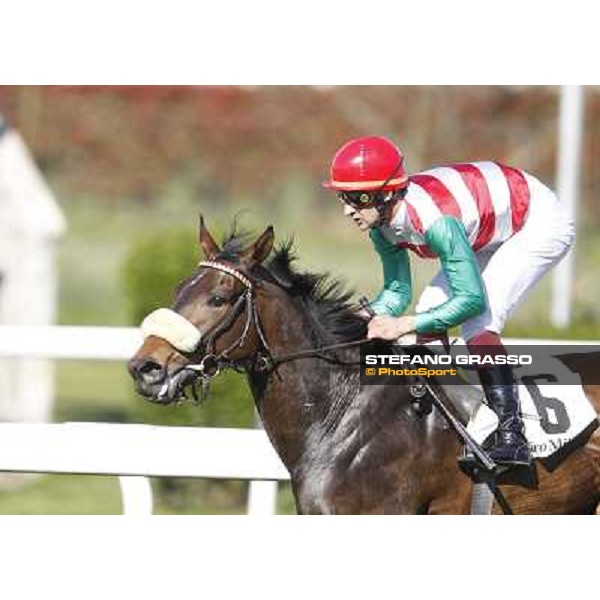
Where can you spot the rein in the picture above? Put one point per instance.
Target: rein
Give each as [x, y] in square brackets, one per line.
[264, 362]
[317, 352]
[246, 300]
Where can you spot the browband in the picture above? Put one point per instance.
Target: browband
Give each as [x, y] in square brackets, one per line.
[229, 270]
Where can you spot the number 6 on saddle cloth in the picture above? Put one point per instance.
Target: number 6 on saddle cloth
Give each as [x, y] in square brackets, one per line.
[558, 419]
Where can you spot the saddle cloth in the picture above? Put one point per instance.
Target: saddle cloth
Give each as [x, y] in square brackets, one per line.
[557, 418]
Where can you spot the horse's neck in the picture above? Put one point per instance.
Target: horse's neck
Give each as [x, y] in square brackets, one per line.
[298, 394]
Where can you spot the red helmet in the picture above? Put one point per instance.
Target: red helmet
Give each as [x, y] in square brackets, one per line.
[367, 163]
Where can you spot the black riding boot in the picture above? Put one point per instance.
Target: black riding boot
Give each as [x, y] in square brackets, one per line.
[508, 445]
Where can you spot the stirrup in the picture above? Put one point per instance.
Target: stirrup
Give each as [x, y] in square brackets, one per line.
[473, 468]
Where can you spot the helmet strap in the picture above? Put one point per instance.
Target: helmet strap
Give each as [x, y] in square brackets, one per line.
[385, 208]
[393, 173]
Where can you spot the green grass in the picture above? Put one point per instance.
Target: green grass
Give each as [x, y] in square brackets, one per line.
[100, 495]
[213, 497]
[60, 495]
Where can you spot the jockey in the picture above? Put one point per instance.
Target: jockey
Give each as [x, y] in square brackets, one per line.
[495, 230]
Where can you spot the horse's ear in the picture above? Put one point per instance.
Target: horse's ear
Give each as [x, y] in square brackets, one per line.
[262, 246]
[208, 244]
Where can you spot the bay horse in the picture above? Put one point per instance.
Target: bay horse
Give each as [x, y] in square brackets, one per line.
[349, 449]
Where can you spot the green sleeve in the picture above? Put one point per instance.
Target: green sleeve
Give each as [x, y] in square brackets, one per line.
[448, 239]
[396, 294]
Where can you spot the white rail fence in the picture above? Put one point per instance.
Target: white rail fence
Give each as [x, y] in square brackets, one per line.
[136, 452]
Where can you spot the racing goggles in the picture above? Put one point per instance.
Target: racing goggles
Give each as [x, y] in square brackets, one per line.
[361, 199]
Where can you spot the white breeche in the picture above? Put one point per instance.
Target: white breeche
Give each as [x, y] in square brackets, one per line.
[510, 270]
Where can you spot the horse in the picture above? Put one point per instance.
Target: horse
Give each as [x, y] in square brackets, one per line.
[349, 449]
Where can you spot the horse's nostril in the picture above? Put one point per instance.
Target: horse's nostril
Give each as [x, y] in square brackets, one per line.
[148, 367]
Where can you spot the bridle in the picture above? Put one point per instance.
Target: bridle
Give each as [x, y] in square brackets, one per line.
[264, 360]
[211, 362]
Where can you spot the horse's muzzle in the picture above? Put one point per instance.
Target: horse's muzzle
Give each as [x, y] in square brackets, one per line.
[147, 375]
[156, 383]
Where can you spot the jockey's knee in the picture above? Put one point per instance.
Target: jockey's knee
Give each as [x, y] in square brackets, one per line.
[489, 342]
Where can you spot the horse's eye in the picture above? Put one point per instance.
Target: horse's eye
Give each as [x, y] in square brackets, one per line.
[217, 301]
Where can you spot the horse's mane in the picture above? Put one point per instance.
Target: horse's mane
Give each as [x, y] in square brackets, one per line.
[323, 297]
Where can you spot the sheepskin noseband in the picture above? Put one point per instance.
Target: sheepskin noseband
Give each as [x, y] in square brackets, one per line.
[172, 327]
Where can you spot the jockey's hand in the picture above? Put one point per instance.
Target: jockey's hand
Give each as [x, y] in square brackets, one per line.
[385, 327]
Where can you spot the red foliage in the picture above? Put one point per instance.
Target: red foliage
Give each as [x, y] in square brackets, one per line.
[129, 142]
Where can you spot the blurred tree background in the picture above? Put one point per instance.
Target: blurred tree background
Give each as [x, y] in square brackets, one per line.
[131, 143]
[133, 166]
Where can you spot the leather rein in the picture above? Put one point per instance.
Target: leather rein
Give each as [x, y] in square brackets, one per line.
[211, 363]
